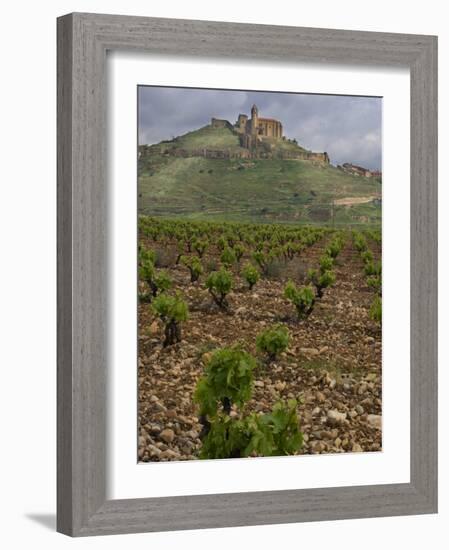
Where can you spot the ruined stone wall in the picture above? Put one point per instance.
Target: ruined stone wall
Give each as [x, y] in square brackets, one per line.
[244, 153]
[208, 153]
[148, 150]
[320, 158]
[252, 147]
[221, 123]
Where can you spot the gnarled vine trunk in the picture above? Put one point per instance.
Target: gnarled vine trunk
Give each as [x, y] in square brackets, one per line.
[172, 333]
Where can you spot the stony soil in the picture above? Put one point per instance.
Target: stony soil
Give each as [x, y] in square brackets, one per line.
[333, 363]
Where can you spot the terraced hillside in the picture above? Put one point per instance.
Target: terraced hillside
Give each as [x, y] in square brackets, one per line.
[250, 190]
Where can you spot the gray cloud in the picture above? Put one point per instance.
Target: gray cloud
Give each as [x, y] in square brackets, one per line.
[349, 128]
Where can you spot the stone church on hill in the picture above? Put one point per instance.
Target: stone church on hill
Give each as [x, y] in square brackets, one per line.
[259, 138]
[252, 130]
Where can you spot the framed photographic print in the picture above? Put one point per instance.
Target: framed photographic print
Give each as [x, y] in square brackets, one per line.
[243, 233]
[246, 274]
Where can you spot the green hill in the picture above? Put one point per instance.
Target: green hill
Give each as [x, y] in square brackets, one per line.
[212, 138]
[217, 139]
[253, 190]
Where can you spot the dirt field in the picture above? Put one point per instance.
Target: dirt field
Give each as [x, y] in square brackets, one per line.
[333, 362]
[350, 201]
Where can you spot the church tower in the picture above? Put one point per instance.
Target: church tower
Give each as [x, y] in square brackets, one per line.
[254, 119]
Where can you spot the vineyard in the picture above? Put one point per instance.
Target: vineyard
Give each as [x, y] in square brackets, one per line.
[257, 340]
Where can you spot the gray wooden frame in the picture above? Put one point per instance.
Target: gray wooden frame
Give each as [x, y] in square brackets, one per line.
[83, 40]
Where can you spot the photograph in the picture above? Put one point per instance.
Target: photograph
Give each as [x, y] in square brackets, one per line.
[259, 275]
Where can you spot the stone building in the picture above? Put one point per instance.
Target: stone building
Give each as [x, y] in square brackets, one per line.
[252, 130]
[356, 170]
[259, 137]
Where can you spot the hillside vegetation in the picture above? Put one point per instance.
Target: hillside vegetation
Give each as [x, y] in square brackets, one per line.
[256, 190]
[212, 138]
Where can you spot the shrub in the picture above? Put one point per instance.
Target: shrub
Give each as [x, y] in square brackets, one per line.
[375, 311]
[321, 280]
[263, 260]
[273, 434]
[180, 245]
[224, 437]
[230, 238]
[227, 382]
[172, 311]
[302, 298]
[359, 242]
[376, 235]
[290, 249]
[157, 281]
[200, 247]
[272, 341]
[222, 243]
[326, 263]
[251, 275]
[188, 242]
[228, 257]
[309, 240]
[375, 282]
[333, 248]
[259, 258]
[146, 255]
[162, 281]
[367, 256]
[144, 297]
[147, 271]
[193, 264]
[372, 268]
[219, 284]
[277, 252]
[277, 433]
[239, 250]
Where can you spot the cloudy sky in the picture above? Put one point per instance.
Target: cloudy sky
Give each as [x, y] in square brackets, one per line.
[349, 128]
